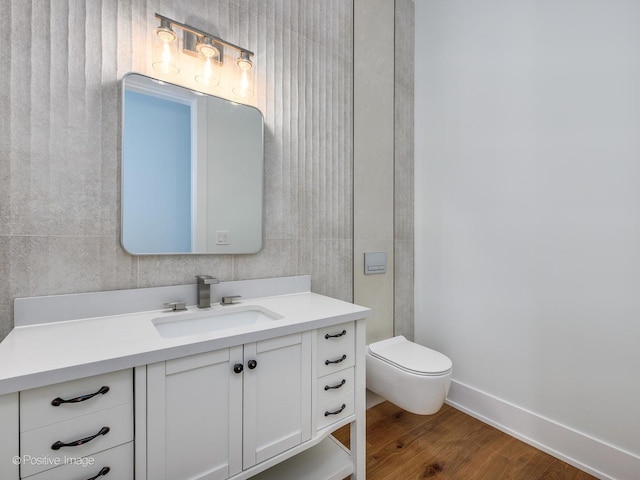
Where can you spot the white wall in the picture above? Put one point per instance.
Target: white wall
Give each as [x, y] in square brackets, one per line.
[528, 207]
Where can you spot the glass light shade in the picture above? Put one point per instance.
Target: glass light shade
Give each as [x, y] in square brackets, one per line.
[208, 73]
[244, 76]
[165, 54]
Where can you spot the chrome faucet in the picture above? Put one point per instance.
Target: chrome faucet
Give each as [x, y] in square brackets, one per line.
[204, 289]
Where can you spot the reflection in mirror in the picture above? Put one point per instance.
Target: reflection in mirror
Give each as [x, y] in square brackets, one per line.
[192, 171]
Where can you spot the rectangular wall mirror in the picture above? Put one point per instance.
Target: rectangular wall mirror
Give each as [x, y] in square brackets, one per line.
[192, 171]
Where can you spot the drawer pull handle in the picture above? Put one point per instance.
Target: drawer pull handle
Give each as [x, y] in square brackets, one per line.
[58, 445]
[335, 335]
[238, 367]
[329, 362]
[336, 412]
[102, 473]
[327, 387]
[252, 364]
[56, 402]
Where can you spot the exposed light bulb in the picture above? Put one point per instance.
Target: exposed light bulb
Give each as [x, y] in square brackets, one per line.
[207, 77]
[166, 54]
[244, 83]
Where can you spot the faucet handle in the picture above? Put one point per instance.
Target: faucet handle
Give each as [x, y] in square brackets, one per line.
[229, 299]
[207, 279]
[176, 306]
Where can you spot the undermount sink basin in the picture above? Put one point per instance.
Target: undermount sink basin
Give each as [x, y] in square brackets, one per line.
[178, 325]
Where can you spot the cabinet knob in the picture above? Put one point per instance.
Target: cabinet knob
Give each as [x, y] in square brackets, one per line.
[238, 367]
[252, 364]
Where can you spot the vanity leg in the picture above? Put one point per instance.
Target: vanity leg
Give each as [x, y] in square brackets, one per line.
[10, 436]
[358, 427]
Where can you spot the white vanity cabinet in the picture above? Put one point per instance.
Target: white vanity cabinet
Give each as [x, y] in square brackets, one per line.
[240, 401]
[215, 414]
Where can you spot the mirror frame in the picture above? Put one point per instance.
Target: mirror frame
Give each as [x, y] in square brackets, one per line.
[221, 251]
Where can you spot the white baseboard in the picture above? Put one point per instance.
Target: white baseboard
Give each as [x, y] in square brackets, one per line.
[589, 454]
[373, 399]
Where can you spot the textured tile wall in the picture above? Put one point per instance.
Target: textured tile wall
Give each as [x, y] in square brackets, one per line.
[60, 142]
[383, 162]
[403, 145]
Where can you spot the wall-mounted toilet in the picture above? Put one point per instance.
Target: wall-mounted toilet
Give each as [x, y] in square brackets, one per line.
[412, 376]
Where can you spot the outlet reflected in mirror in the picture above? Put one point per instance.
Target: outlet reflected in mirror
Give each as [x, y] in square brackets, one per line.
[192, 171]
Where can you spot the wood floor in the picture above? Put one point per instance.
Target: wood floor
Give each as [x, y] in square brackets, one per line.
[450, 445]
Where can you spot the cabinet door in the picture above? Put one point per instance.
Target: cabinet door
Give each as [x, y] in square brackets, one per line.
[194, 417]
[277, 396]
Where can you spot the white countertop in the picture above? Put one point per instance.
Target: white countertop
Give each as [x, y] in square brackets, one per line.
[46, 353]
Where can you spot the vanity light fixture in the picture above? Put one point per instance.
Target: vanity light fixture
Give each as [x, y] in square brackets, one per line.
[208, 49]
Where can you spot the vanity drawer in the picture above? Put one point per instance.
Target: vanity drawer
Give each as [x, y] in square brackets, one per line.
[342, 334]
[38, 443]
[335, 409]
[334, 385]
[118, 460]
[36, 409]
[336, 358]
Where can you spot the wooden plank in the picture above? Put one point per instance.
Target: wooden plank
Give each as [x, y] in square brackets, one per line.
[450, 445]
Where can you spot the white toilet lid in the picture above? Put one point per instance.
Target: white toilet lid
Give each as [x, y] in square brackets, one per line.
[410, 356]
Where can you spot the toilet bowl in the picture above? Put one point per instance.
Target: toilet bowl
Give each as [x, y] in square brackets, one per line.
[409, 375]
